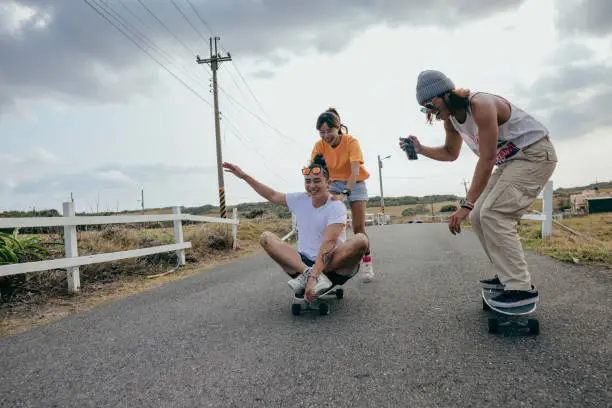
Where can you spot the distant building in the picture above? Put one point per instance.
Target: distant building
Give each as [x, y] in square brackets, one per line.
[590, 201]
[599, 205]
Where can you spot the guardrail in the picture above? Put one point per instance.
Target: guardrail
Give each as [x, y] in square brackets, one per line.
[72, 260]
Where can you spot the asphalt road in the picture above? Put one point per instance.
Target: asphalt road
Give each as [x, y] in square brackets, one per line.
[415, 337]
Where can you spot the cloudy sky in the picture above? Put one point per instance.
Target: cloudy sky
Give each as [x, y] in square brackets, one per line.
[84, 110]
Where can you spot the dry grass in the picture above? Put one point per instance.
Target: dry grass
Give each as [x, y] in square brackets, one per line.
[594, 247]
[40, 298]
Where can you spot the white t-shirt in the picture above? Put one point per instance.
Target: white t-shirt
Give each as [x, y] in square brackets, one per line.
[311, 221]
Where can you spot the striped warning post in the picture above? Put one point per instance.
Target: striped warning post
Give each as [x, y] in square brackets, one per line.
[222, 209]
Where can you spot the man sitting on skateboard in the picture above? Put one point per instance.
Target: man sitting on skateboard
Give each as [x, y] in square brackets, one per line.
[324, 257]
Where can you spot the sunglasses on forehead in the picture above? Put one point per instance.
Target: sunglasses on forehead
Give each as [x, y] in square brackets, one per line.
[315, 171]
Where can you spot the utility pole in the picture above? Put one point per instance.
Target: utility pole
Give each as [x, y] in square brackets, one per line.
[382, 197]
[214, 60]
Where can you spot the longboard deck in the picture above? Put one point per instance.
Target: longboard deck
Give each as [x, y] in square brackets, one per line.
[510, 316]
[487, 294]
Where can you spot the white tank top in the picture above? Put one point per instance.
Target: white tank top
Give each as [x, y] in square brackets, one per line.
[519, 131]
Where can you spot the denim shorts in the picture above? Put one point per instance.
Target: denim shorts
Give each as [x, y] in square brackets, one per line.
[359, 192]
[332, 276]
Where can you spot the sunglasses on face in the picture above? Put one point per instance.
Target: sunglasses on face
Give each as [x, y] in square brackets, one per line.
[315, 171]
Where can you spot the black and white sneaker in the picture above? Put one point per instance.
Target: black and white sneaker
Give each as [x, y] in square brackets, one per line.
[515, 298]
[492, 283]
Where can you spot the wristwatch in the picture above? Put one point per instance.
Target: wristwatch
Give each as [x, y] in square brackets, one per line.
[463, 203]
[346, 192]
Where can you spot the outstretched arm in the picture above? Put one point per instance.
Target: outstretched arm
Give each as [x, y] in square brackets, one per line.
[451, 148]
[261, 189]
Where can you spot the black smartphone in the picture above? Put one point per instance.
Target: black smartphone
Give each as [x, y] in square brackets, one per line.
[409, 146]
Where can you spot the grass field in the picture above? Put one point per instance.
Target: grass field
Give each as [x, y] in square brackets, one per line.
[592, 244]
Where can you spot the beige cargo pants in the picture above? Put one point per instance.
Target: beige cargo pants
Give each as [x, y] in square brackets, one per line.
[513, 187]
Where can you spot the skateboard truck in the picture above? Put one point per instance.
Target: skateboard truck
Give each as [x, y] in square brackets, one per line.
[300, 304]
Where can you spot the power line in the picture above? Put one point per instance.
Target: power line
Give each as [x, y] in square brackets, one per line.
[235, 65]
[207, 26]
[243, 139]
[125, 28]
[188, 21]
[150, 43]
[233, 100]
[122, 31]
[201, 19]
[166, 27]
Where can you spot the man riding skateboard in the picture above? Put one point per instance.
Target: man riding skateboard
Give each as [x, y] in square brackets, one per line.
[324, 257]
[515, 159]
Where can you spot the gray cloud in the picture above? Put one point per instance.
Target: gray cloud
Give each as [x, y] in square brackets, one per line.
[570, 53]
[593, 17]
[567, 122]
[108, 177]
[65, 50]
[575, 100]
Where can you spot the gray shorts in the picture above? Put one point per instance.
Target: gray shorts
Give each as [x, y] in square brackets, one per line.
[359, 192]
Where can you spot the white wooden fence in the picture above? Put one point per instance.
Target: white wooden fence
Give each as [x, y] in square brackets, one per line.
[72, 260]
[545, 216]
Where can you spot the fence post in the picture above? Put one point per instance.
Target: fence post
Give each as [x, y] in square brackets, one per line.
[71, 249]
[235, 229]
[178, 236]
[547, 209]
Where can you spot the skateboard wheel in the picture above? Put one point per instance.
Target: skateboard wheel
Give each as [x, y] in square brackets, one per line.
[485, 306]
[324, 309]
[534, 326]
[296, 309]
[493, 325]
[339, 293]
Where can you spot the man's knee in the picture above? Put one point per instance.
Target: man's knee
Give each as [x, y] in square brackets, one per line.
[265, 238]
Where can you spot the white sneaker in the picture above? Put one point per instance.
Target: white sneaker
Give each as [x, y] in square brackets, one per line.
[368, 271]
[298, 284]
[323, 285]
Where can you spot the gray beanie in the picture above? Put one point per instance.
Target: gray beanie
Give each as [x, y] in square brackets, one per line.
[432, 83]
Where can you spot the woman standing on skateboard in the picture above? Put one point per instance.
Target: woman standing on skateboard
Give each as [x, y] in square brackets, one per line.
[515, 160]
[344, 159]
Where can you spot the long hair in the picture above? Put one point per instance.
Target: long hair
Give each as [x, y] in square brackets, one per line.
[454, 100]
[332, 119]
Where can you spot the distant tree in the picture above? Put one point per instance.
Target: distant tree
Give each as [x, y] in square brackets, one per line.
[448, 208]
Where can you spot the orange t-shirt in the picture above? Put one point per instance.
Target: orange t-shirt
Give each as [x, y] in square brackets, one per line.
[339, 159]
